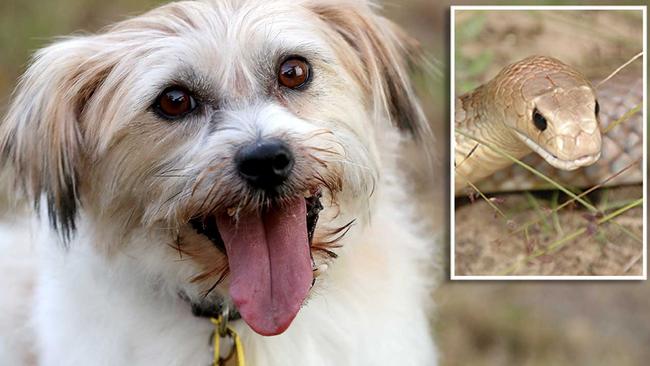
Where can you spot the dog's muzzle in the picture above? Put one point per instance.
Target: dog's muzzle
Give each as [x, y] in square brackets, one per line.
[268, 247]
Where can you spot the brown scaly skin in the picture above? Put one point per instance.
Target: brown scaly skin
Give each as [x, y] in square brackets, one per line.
[501, 112]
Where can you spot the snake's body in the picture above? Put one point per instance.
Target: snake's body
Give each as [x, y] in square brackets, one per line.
[570, 148]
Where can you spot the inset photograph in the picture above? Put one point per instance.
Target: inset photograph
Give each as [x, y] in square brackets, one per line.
[547, 151]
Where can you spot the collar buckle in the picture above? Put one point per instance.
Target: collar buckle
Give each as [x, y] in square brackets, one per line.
[232, 345]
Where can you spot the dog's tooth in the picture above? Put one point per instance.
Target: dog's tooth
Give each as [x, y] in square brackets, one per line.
[232, 211]
[319, 270]
[307, 194]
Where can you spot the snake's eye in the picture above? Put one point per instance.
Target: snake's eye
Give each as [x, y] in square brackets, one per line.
[294, 72]
[539, 120]
[174, 102]
[597, 108]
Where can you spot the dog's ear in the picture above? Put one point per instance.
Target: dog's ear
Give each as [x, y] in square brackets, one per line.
[387, 54]
[40, 138]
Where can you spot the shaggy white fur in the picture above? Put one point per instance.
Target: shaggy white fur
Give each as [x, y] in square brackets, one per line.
[120, 264]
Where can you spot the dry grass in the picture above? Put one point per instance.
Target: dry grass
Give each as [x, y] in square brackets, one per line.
[542, 249]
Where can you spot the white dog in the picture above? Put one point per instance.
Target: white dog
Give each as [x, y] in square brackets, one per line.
[224, 158]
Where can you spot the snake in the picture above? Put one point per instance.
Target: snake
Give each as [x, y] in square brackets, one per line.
[550, 116]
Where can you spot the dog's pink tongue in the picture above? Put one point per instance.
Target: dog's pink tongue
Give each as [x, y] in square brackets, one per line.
[270, 265]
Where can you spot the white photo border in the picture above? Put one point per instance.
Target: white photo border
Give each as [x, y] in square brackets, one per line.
[452, 79]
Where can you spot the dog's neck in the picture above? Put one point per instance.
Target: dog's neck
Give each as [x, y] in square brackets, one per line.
[212, 309]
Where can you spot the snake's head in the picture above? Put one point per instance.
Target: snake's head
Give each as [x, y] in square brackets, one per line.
[560, 121]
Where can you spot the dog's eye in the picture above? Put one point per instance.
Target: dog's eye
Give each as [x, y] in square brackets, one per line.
[174, 102]
[294, 72]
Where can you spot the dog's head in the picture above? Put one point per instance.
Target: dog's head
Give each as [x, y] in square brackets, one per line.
[241, 136]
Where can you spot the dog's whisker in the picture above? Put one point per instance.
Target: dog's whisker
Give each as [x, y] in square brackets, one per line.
[357, 165]
[172, 175]
[203, 275]
[177, 247]
[220, 279]
[129, 220]
[319, 132]
[339, 233]
[197, 182]
[164, 228]
[204, 173]
[172, 197]
[322, 162]
[324, 150]
[209, 196]
[182, 260]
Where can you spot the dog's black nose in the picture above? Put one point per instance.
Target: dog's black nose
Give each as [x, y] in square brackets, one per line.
[265, 164]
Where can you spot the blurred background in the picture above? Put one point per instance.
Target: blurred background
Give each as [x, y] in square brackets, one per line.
[476, 323]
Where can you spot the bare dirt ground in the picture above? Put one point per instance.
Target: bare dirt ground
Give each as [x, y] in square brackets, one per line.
[490, 248]
[485, 242]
